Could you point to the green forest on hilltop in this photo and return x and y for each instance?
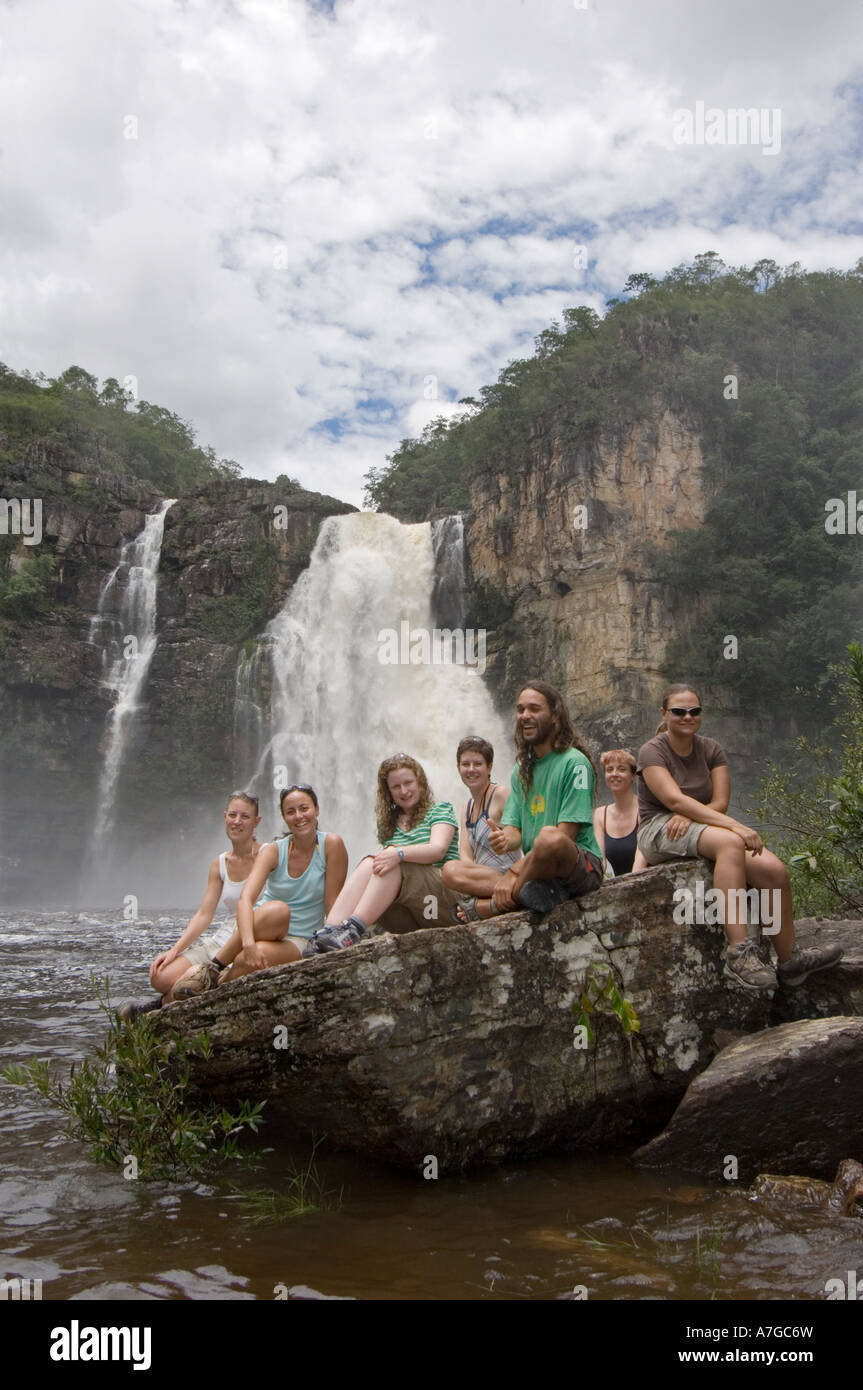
(762, 567)
(106, 427)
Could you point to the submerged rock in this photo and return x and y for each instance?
(838, 1198)
(787, 1099)
(446, 1047)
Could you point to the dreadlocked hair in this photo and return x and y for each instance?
(563, 735)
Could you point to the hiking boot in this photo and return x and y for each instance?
(336, 938)
(744, 965)
(133, 1008)
(202, 978)
(541, 895)
(805, 962)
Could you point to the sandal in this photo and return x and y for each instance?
(468, 908)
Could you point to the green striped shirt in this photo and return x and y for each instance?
(441, 813)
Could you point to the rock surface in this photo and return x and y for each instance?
(787, 1099)
(461, 1043)
(578, 603)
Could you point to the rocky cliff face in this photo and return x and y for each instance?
(231, 551)
(558, 554)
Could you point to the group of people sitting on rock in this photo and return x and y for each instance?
(535, 845)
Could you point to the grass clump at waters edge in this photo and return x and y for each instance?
(128, 1103)
(304, 1193)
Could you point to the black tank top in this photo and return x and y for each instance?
(620, 849)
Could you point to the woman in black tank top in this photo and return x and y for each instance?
(616, 825)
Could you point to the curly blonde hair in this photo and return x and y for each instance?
(386, 810)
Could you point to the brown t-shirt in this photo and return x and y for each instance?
(691, 774)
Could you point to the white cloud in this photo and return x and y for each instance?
(324, 208)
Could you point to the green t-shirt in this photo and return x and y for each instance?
(439, 814)
(561, 790)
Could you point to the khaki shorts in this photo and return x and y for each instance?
(657, 847)
(205, 947)
(423, 900)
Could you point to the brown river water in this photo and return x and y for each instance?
(531, 1230)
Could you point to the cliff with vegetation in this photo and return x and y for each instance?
(651, 484)
(232, 549)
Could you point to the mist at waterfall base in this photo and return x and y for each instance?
(316, 704)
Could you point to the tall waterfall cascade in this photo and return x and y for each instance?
(124, 626)
(449, 556)
(354, 680)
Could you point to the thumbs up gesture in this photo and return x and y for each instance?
(497, 837)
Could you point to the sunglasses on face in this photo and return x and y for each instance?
(682, 713)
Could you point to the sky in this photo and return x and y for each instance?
(310, 228)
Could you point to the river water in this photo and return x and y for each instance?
(529, 1231)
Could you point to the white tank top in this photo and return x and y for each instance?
(231, 891)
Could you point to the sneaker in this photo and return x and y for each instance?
(805, 962)
(135, 1007)
(744, 965)
(336, 938)
(541, 895)
(202, 978)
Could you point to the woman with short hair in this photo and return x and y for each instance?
(616, 825)
(478, 867)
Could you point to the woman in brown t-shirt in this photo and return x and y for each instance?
(684, 790)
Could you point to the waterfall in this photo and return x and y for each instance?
(336, 708)
(249, 717)
(448, 548)
(124, 626)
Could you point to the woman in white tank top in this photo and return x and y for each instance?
(225, 882)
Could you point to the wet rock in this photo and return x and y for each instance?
(485, 1061)
(302, 1293)
(786, 1101)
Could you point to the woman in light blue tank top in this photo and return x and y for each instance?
(294, 883)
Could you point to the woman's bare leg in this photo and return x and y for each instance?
(728, 853)
(766, 870)
(270, 922)
(276, 953)
(478, 880)
(366, 894)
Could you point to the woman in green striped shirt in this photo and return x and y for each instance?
(401, 886)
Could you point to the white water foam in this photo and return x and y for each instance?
(127, 608)
(336, 710)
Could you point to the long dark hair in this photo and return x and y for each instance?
(563, 735)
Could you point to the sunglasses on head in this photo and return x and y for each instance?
(681, 713)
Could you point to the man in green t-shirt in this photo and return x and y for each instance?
(549, 812)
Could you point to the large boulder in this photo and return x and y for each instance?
(786, 1100)
(462, 1043)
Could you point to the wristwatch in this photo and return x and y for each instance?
(401, 855)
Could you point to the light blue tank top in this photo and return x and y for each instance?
(304, 895)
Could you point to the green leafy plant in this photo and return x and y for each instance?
(304, 1192)
(130, 1101)
(600, 992)
(27, 593)
(818, 806)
